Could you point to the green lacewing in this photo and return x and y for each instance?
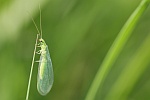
(45, 77)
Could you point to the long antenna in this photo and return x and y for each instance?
(35, 25)
(40, 20)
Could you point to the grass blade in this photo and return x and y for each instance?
(115, 49)
(132, 72)
(29, 82)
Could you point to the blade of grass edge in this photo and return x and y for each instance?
(115, 49)
(131, 73)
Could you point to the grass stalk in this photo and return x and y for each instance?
(115, 49)
(131, 73)
(29, 82)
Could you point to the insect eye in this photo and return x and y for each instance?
(40, 41)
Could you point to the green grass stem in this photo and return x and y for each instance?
(29, 82)
(115, 49)
(131, 73)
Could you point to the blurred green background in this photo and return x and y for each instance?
(79, 33)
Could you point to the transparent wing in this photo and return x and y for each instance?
(45, 76)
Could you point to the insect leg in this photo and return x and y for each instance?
(38, 61)
(38, 52)
(38, 44)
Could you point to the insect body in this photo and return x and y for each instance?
(45, 76)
